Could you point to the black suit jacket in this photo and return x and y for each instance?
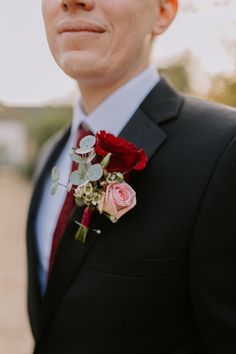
(162, 279)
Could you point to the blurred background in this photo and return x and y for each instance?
(197, 55)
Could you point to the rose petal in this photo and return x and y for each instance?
(109, 205)
(125, 210)
(119, 199)
(125, 155)
(122, 194)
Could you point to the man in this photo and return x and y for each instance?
(162, 279)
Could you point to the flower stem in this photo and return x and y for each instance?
(81, 233)
(84, 225)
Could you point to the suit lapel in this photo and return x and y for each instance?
(49, 157)
(160, 105)
(144, 133)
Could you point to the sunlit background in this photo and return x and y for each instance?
(197, 55)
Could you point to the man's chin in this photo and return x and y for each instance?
(79, 67)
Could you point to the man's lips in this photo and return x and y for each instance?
(79, 26)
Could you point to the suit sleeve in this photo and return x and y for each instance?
(212, 264)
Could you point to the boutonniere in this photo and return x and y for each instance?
(100, 181)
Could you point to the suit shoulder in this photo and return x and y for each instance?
(209, 113)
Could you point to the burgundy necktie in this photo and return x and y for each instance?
(67, 207)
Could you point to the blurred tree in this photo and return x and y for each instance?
(177, 72)
(40, 124)
(177, 75)
(223, 90)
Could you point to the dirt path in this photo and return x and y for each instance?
(15, 336)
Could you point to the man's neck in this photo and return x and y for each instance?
(92, 95)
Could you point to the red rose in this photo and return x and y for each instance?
(125, 155)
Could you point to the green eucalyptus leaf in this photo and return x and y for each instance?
(95, 172)
(55, 174)
(76, 158)
(84, 150)
(54, 188)
(77, 178)
(87, 142)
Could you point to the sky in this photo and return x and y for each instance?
(29, 75)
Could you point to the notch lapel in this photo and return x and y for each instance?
(144, 133)
(161, 105)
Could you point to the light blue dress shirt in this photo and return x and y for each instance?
(111, 115)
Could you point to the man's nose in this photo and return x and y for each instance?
(84, 4)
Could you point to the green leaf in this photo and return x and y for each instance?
(55, 174)
(84, 150)
(87, 142)
(95, 172)
(76, 158)
(77, 179)
(106, 160)
(54, 188)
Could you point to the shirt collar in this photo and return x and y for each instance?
(116, 110)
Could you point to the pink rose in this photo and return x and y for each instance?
(117, 200)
